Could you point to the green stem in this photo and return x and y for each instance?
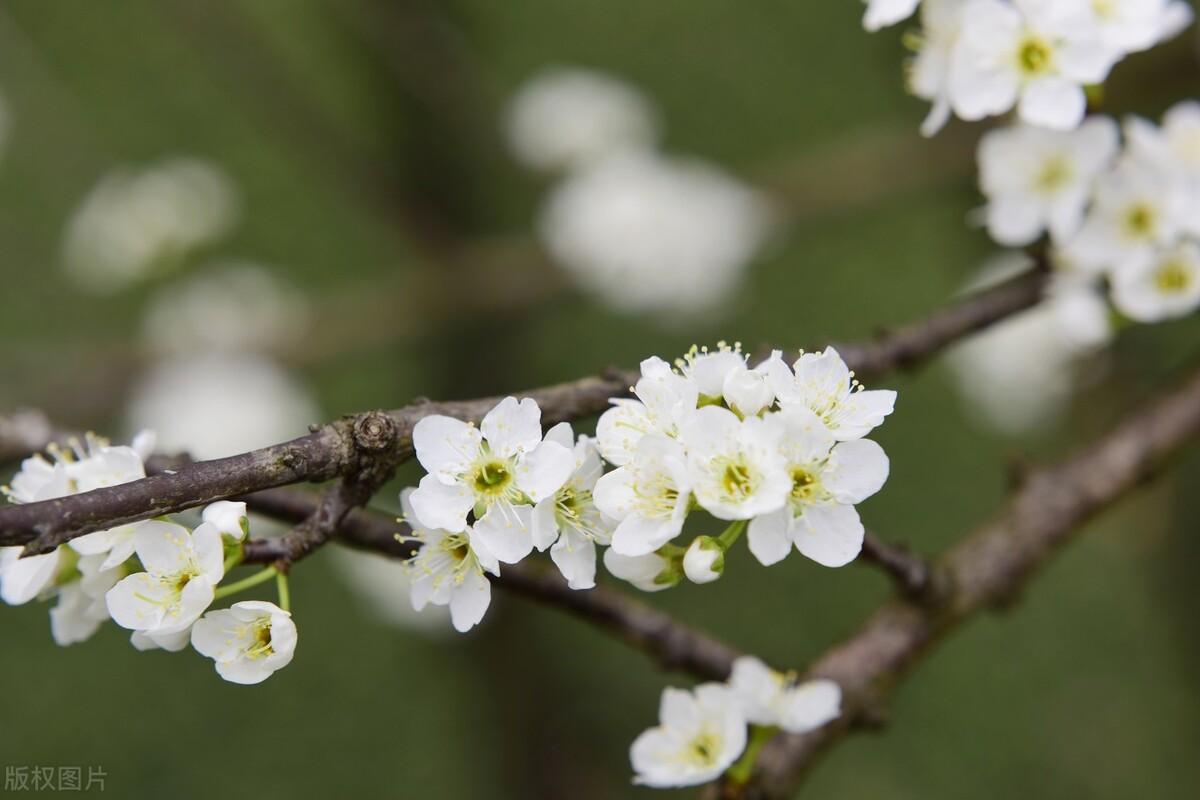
(245, 583)
(236, 553)
(285, 597)
(741, 771)
(731, 534)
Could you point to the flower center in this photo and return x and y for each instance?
(262, 640)
(737, 480)
(1056, 173)
(804, 485)
(1140, 221)
(703, 749)
(1034, 56)
(492, 477)
(1172, 278)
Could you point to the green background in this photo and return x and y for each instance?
(363, 137)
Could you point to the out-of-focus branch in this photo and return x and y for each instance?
(985, 570)
(333, 451)
(910, 573)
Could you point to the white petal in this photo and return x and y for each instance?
(445, 446)
(544, 469)
(831, 535)
(1054, 103)
(544, 525)
(768, 537)
(506, 532)
(513, 427)
(638, 536)
(810, 705)
(575, 557)
(163, 547)
(228, 517)
(441, 507)
(23, 579)
(855, 471)
(470, 601)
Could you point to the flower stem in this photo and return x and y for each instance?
(285, 597)
(245, 583)
(731, 534)
(759, 735)
(236, 553)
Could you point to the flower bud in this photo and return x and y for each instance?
(650, 573)
(704, 561)
(748, 392)
(229, 518)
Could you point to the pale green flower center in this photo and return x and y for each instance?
(492, 477)
(1141, 221)
(1034, 56)
(805, 486)
(1056, 173)
(704, 749)
(1172, 278)
(261, 634)
(737, 479)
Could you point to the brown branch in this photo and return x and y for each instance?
(986, 570)
(671, 643)
(331, 452)
(909, 572)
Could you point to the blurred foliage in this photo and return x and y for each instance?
(363, 135)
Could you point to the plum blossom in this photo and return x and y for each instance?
(448, 569)
(704, 560)
(650, 497)
(1130, 26)
(735, 467)
(499, 471)
(665, 399)
(770, 698)
(249, 641)
(229, 518)
(182, 571)
(700, 734)
(569, 519)
(650, 572)
(823, 384)
(1172, 150)
(827, 480)
(882, 13)
(929, 70)
(1164, 288)
(1037, 179)
(1034, 54)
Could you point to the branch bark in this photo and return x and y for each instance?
(331, 451)
(986, 570)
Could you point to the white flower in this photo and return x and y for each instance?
(736, 467)
(882, 13)
(650, 572)
(929, 72)
(1165, 288)
(665, 400)
(644, 233)
(1130, 26)
(1036, 54)
(1037, 179)
(827, 480)
(228, 518)
(215, 404)
(1137, 211)
(448, 570)
(81, 606)
(722, 375)
(249, 641)
(228, 307)
(769, 698)
(700, 735)
(499, 470)
(569, 519)
(182, 571)
(704, 560)
(136, 221)
(1173, 151)
(23, 579)
(825, 385)
(567, 117)
(649, 497)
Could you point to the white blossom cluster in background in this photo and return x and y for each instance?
(156, 578)
(1128, 214)
(775, 450)
(982, 58)
(640, 230)
(138, 222)
(702, 733)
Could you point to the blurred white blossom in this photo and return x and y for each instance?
(648, 233)
(566, 117)
(882, 13)
(220, 404)
(231, 306)
(137, 221)
(382, 586)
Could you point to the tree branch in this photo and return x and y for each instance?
(331, 451)
(985, 570)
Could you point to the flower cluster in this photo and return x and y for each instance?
(156, 578)
(1131, 215)
(774, 450)
(702, 733)
(980, 58)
